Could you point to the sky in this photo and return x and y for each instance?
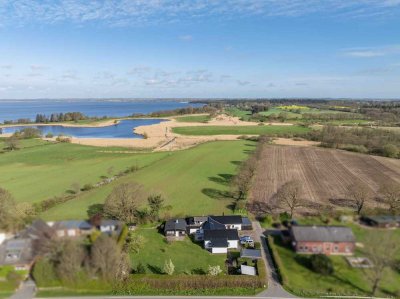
(199, 49)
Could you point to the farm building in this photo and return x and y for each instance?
(329, 240)
(382, 221)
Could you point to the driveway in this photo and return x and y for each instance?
(275, 289)
(27, 290)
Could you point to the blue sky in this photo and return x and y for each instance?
(199, 48)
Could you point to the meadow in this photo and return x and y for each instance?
(40, 169)
(240, 130)
(193, 181)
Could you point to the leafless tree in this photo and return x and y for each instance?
(70, 260)
(7, 210)
(390, 192)
(123, 202)
(381, 249)
(12, 143)
(359, 194)
(107, 259)
(289, 196)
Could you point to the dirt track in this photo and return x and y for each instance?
(326, 174)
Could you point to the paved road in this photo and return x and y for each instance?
(275, 289)
(161, 297)
(27, 290)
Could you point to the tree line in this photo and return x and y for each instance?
(364, 140)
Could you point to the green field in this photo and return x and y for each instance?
(345, 280)
(40, 170)
(194, 118)
(156, 251)
(240, 130)
(193, 181)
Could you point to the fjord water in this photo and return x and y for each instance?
(124, 129)
(16, 109)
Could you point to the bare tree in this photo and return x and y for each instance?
(390, 192)
(359, 194)
(12, 143)
(381, 249)
(107, 259)
(289, 196)
(70, 260)
(123, 202)
(7, 210)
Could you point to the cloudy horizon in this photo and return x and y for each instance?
(199, 49)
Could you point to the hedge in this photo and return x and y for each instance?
(277, 261)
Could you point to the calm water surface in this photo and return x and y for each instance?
(123, 129)
(13, 110)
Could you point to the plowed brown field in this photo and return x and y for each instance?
(326, 174)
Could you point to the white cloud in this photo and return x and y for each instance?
(372, 51)
(186, 38)
(140, 13)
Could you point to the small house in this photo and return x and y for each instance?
(72, 228)
(18, 253)
(109, 226)
(329, 240)
(220, 240)
(175, 227)
(195, 223)
(230, 222)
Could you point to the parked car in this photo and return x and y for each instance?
(246, 240)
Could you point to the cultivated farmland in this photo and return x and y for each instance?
(325, 174)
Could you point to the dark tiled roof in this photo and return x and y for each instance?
(175, 224)
(251, 253)
(37, 230)
(219, 242)
(227, 234)
(73, 224)
(212, 224)
(231, 219)
(16, 252)
(192, 220)
(322, 233)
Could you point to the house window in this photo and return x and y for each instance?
(71, 233)
(305, 248)
(336, 248)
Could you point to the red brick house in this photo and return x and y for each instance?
(335, 240)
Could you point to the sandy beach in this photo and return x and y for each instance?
(161, 138)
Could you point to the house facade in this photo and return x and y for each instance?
(328, 240)
(72, 228)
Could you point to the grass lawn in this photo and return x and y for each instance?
(185, 255)
(194, 118)
(240, 130)
(345, 280)
(40, 170)
(193, 181)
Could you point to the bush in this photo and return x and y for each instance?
(49, 135)
(87, 187)
(214, 270)
(321, 264)
(169, 267)
(277, 260)
(140, 269)
(44, 273)
(390, 150)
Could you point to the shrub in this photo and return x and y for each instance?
(87, 187)
(169, 267)
(214, 270)
(49, 135)
(390, 150)
(321, 264)
(140, 269)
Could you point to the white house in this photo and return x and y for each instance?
(220, 240)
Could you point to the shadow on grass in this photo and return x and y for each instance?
(237, 163)
(348, 282)
(155, 269)
(215, 193)
(223, 179)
